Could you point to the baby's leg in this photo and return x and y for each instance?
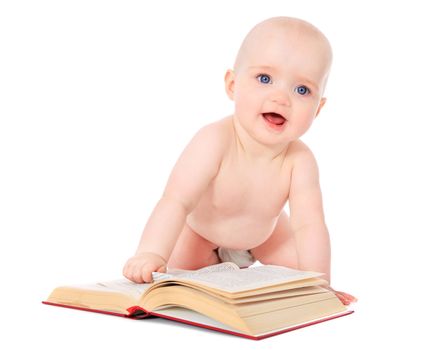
(192, 251)
(280, 247)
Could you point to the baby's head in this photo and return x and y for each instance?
(279, 78)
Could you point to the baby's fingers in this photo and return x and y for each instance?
(137, 276)
(149, 268)
(162, 269)
(147, 271)
(128, 271)
(133, 272)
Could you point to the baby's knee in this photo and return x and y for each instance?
(282, 254)
(192, 251)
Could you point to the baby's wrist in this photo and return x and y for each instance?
(152, 254)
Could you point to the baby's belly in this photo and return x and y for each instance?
(235, 232)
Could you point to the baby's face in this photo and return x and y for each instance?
(278, 83)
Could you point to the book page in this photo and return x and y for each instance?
(123, 286)
(238, 280)
(194, 318)
(171, 273)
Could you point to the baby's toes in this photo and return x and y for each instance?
(343, 298)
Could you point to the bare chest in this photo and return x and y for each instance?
(258, 192)
(240, 208)
(243, 201)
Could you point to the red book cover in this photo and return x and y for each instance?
(136, 312)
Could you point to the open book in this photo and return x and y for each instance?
(255, 302)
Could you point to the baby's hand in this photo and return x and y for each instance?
(345, 298)
(139, 268)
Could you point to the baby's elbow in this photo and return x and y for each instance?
(176, 201)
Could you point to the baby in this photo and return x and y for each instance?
(225, 196)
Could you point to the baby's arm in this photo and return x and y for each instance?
(194, 170)
(307, 218)
(306, 214)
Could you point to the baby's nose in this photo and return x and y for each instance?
(280, 97)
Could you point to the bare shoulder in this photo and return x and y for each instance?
(302, 158)
(215, 135)
(217, 130)
(197, 165)
(299, 151)
(209, 143)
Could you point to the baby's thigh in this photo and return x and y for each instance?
(192, 251)
(280, 247)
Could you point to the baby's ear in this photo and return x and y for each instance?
(321, 104)
(229, 83)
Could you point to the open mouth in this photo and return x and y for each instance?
(274, 119)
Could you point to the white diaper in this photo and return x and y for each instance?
(243, 258)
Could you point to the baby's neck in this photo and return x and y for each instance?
(255, 150)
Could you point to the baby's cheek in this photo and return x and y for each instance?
(304, 122)
(245, 105)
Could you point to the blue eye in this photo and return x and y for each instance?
(302, 90)
(264, 78)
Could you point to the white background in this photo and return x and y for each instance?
(98, 99)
